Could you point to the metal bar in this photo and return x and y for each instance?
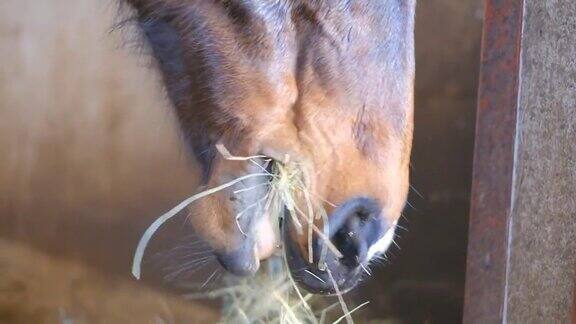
(493, 163)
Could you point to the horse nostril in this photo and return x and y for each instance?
(347, 242)
(356, 225)
(242, 262)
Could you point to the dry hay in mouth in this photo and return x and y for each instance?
(271, 295)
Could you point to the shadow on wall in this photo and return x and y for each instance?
(90, 154)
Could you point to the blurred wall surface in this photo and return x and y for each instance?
(89, 153)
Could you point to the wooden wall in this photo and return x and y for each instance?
(543, 219)
(89, 151)
(89, 154)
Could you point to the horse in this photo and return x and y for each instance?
(327, 83)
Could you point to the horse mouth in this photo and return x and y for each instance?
(326, 275)
(322, 261)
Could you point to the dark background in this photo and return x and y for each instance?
(424, 281)
(89, 156)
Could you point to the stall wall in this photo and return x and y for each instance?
(89, 150)
(540, 281)
(89, 154)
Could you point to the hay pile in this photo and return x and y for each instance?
(271, 295)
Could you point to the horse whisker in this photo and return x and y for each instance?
(209, 278)
(416, 191)
(409, 204)
(189, 269)
(365, 269)
(398, 246)
(191, 264)
(402, 227)
(314, 275)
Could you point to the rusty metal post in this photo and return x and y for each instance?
(522, 246)
(493, 162)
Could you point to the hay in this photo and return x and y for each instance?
(143, 243)
(271, 295)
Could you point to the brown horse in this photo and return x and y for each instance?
(327, 82)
